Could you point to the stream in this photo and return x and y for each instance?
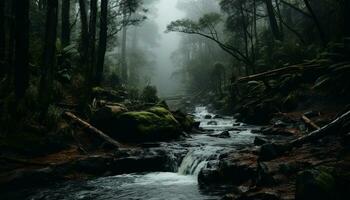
(189, 157)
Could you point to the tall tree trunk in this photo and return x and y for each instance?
(317, 23)
(65, 32)
(124, 68)
(2, 39)
(2, 34)
(10, 45)
(346, 8)
(92, 46)
(102, 44)
(83, 49)
(21, 47)
(273, 21)
(133, 68)
(49, 55)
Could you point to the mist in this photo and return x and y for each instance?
(164, 81)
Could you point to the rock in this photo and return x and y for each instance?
(213, 123)
(224, 134)
(207, 117)
(280, 131)
(346, 140)
(264, 176)
(235, 169)
(105, 117)
(270, 151)
(259, 196)
(27, 178)
(196, 125)
(109, 95)
(258, 141)
(155, 124)
(186, 121)
(209, 175)
(218, 117)
(312, 113)
(315, 184)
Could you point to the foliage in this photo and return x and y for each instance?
(149, 94)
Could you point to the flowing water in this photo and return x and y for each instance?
(181, 184)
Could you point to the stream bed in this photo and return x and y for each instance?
(189, 157)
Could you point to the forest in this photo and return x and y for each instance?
(175, 99)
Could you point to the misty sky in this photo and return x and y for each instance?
(168, 43)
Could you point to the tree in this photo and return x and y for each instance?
(21, 47)
(65, 32)
(91, 46)
(102, 44)
(205, 27)
(49, 55)
(124, 67)
(346, 13)
(317, 23)
(2, 33)
(273, 21)
(84, 33)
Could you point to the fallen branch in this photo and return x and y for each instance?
(278, 72)
(93, 129)
(310, 123)
(332, 127)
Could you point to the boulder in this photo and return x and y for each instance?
(315, 184)
(258, 141)
(224, 134)
(105, 117)
(270, 151)
(154, 124)
(186, 121)
(213, 123)
(207, 117)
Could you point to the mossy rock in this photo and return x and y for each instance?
(155, 124)
(105, 117)
(186, 121)
(316, 184)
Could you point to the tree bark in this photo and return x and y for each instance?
(94, 130)
(272, 19)
(21, 47)
(2, 35)
(346, 8)
(331, 128)
(91, 47)
(124, 67)
(102, 45)
(49, 55)
(84, 33)
(65, 32)
(317, 23)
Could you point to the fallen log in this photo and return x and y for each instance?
(94, 130)
(309, 123)
(273, 150)
(330, 128)
(278, 72)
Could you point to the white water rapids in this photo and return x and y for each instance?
(178, 185)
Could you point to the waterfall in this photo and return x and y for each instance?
(196, 159)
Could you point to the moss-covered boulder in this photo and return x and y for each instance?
(154, 124)
(316, 184)
(186, 121)
(105, 117)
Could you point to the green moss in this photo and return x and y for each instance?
(316, 184)
(146, 126)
